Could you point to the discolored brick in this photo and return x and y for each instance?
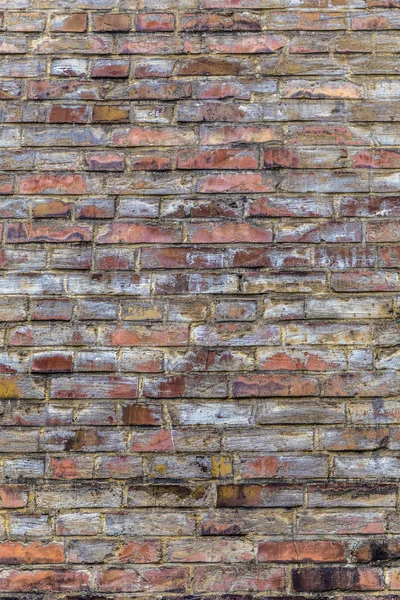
(199, 299)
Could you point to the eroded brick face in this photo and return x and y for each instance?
(199, 299)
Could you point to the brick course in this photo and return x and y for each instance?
(199, 299)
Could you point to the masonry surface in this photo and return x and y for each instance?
(199, 294)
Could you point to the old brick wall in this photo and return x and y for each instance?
(199, 284)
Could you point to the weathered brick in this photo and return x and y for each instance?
(67, 67)
(167, 495)
(89, 550)
(275, 360)
(143, 579)
(313, 551)
(196, 283)
(111, 22)
(13, 496)
(235, 522)
(273, 440)
(354, 439)
(154, 335)
(199, 295)
(110, 68)
(141, 551)
(270, 466)
(25, 21)
(110, 114)
(238, 579)
(77, 524)
(80, 467)
(139, 44)
(211, 413)
(229, 233)
(155, 22)
(290, 411)
(178, 440)
(325, 579)
(209, 551)
(233, 334)
(82, 440)
(284, 282)
(373, 467)
(154, 523)
(90, 44)
(200, 386)
(19, 233)
(248, 495)
(327, 495)
(249, 44)
(335, 522)
(270, 385)
(214, 65)
(228, 134)
(34, 552)
(52, 363)
(72, 22)
(31, 525)
(44, 580)
(83, 495)
(94, 387)
(135, 233)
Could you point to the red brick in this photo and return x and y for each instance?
(52, 209)
(54, 232)
(146, 551)
(111, 22)
(44, 580)
(271, 385)
(143, 579)
(301, 551)
(134, 233)
(80, 467)
(280, 157)
(68, 114)
(6, 185)
(211, 21)
(12, 553)
(110, 68)
(169, 335)
(370, 22)
(13, 496)
(377, 159)
(142, 414)
(52, 363)
(105, 162)
(37, 184)
(218, 159)
(150, 136)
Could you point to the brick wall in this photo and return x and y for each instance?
(199, 287)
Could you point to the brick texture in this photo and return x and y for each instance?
(199, 299)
